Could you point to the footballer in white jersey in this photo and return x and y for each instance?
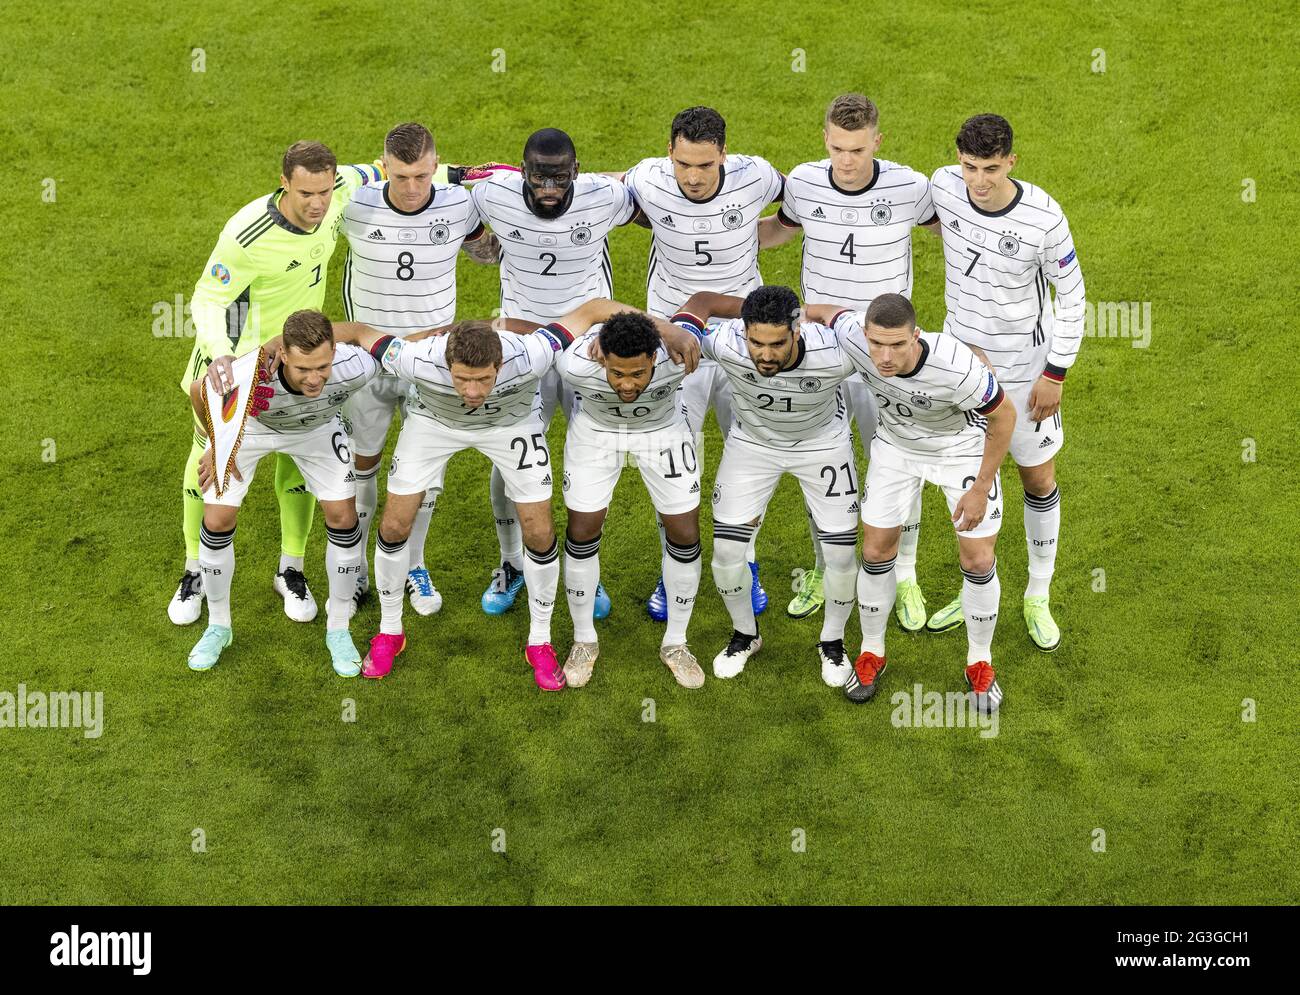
(789, 418)
(404, 237)
(554, 247)
(553, 225)
(628, 402)
(474, 388)
(943, 419)
(1006, 246)
(856, 213)
(296, 412)
(702, 207)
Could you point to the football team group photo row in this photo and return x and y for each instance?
(788, 373)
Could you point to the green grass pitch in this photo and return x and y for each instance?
(1176, 166)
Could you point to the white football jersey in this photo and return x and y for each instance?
(938, 412)
(799, 408)
(598, 404)
(525, 359)
(857, 244)
(550, 266)
(292, 411)
(703, 245)
(400, 275)
(998, 266)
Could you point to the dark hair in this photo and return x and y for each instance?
(409, 142)
(852, 112)
(628, 334)
(549, 141)
(699, 124)
(307, 330)
(891, 311)
(985, 136)
(771, 305)
(311, 156)
(475, 344)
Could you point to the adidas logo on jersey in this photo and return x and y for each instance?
(997, 513)
(695, 488)
(515, 234)
(1047, 441)
(855, 508)
(546, 481)
(376, 236)
(953, 225)
(667, 219)
(819, 213)
(351, 478)
(293, 265)
(751, 378)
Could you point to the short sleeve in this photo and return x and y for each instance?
(774, 180)
(624, 207)
(850, 334)
(475, 225)
(925, 212)
(788, 214)
(401, 358)
(979, 389)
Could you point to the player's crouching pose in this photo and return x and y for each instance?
(475, 389)
(942, 419)
(788, 418)
(629, 401)
(301, 420)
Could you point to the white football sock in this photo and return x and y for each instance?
(1042, 528)
(420, 529)
(819, 555)
(681, 566)
(290, 561)
(980, 594)
(390, 580)
(342, 566)
(839, 583)
(905, 567)
(581, 575)
(367, 502)
(217, 562)
(732, 577)
(542, 577)
(509, 536)
(877, 586)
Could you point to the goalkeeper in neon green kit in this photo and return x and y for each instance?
(270, 261)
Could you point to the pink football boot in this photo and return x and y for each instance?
(546, 666)
(383, 651)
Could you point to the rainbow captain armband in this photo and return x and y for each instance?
(691, 323)
(557, 335)
(386, 348)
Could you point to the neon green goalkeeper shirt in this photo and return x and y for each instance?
(263, 269)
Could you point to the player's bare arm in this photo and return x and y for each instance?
(821, 314)
(706, 304)
(972, 506)
(486, 249)
(772, 231)
(683, 348)
(1044, 397)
